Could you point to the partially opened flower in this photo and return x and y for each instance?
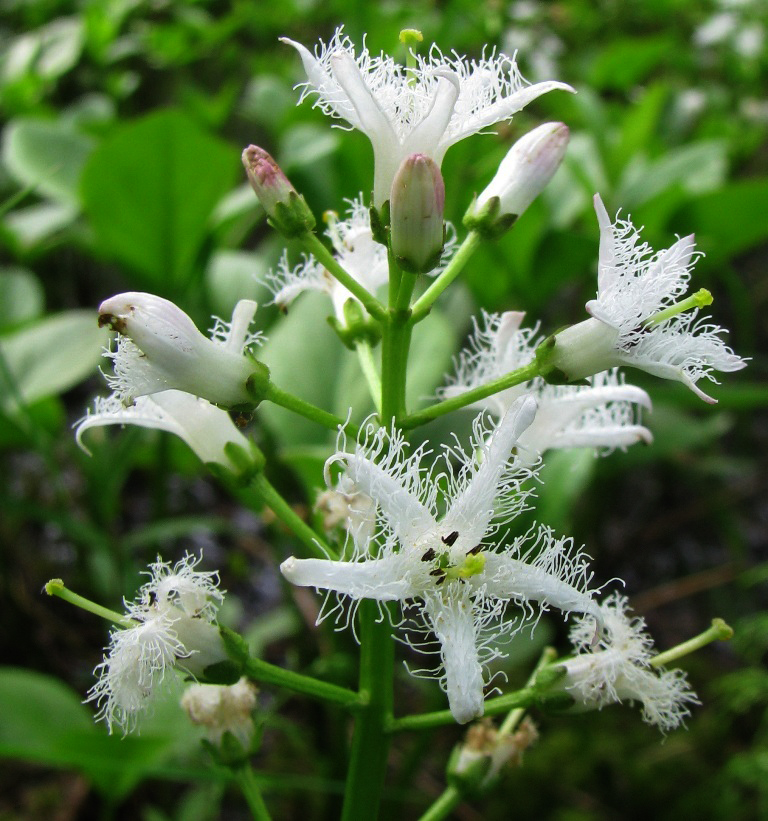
(423, 109)
(356, 251)
(208, 430)
(620, 670)
(160, 348)
(599, 415)
(639, 318)
(174, 615)
(449, 572)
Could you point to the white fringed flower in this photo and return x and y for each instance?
(419, 110)
(222, 709)
(639, 319)
(446, 570)
(207, 430)
(174, 615)
(355, 250)
(600, 415)
(620, 669)
(159, 348)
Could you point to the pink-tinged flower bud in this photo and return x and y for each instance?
(529, 165)
(417, 203)
(285, 207)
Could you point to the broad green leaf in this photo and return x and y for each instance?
(564, 475)
(231, 276)
(48, 156)
(150, 190)
(44, 722)
(33, 225)
(304, 357)
(21, 297)
(628, 60)
(730, 220)
(49, 357)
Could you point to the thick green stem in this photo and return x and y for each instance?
(317, 546)
(329, 262)
(423, 304)
(370, 742)
(270, 674)
(493, 706)
(509, 380)
(448, 801)
(245, 779)
(306, 409)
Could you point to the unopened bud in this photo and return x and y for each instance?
(529, 165)
(285, 207)
(417, 204)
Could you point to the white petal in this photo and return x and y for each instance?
(472, 509)
(379, 579)
(426, 136)
(617, 436)
(454, 625)
(501, 110)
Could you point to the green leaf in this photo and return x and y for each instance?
(48, 156)
(150, 190)
(21, 297)
(628, 60)
(728, 221)
(49, 357)
(564, 476)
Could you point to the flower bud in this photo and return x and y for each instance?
(522, 175)
(287, 210)
(222, 709)
(165, 350)
(417, 204)
(578, 351)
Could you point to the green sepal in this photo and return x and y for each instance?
(292, 218)
(488, 222)
(246, 463)
(555, 702)
(235, 645)
(222, 672)
(472, 780)
(380, 223)
(231, 754)
(549, 676)
(406, 265)
(257, 383)
(358, 326)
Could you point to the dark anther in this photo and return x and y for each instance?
(437, 572)
(440, 581)
(475, 550)
(450, 538)
(429, 555)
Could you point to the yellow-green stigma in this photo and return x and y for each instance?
(700, 299)
(473, 565)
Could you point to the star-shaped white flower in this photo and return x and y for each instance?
(447, 571)
(355, 250)
(639, 319)
(620, 670)
(599, 415)
(420, 110)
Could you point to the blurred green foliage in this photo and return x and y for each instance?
(124, 120)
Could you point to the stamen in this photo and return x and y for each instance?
(429, 555)
(450, 539)
(698, 300)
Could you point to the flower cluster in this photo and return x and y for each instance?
(172, 627)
